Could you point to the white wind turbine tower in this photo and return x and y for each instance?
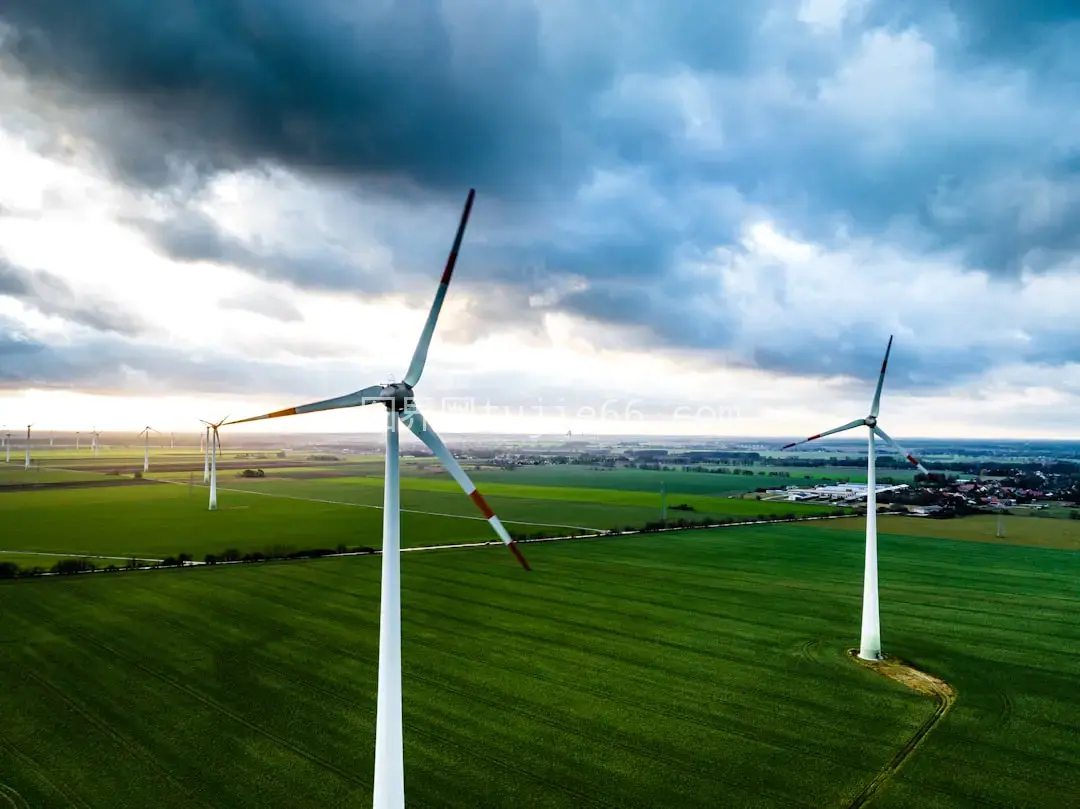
(206, 454)
(78, 437)
(212, 447)
(27, 464)
(146, 451)
(389, 792)
(7, 447)
(95, 441)
(870, 643)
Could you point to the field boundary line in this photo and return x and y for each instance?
(378, 551)
(82, 556)
(923, 682)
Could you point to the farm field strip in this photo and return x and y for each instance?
(403, 510)
(80, 556)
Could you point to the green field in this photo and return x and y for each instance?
(698, 669)
(292, 513)
(1029, 531)
(11, 475)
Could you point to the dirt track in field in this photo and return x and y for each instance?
(927, 684)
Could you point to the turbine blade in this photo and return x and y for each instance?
(911, 458)
(848, 426)
(416, 367)
(876, 405)
(422, 430)
(357, 399)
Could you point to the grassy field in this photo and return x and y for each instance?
(12, 475)
(163, 520)
(700, 669)
(1029, 531)
(308, 507)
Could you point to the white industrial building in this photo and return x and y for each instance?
(838, 491)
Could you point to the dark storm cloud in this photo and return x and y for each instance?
(419, 100)
(987, 28)
(51, 295)
(191, 236)
(392, 90)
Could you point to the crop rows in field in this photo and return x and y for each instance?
(698, 669)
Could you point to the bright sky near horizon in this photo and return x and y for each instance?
(690, 219)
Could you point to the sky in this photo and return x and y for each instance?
(691, 217)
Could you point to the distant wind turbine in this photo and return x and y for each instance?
(870, 643)
(78, 435)
(206, 454)
(7, 446)
(96, 441)
(213, 446)
(398, 398)
(146, 452)
(27, 465)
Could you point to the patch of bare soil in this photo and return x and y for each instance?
(903, 672)
(925, 683)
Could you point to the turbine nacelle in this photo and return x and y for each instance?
(870, 421)
(397, 396)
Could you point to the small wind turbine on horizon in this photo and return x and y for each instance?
(78, 437)
(146, 451)
(7, 446)
(27, 464)
(212, 447)
(95, 443)
(870, 642)
(400, 403)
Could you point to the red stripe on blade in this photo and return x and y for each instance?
(481, 504)
(912, 459)
(788, 446)
(452, 259)
(813, 437)
(290, 412)
(517, 552)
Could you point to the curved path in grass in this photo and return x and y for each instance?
(12, 798)
(906, 674)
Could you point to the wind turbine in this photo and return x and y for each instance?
(77, 439)
(870, 642)
(146, 452)
(95, 444)
(206, 455)
(27, 465)
(7, 447)
(212, 447)
(398, 398)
